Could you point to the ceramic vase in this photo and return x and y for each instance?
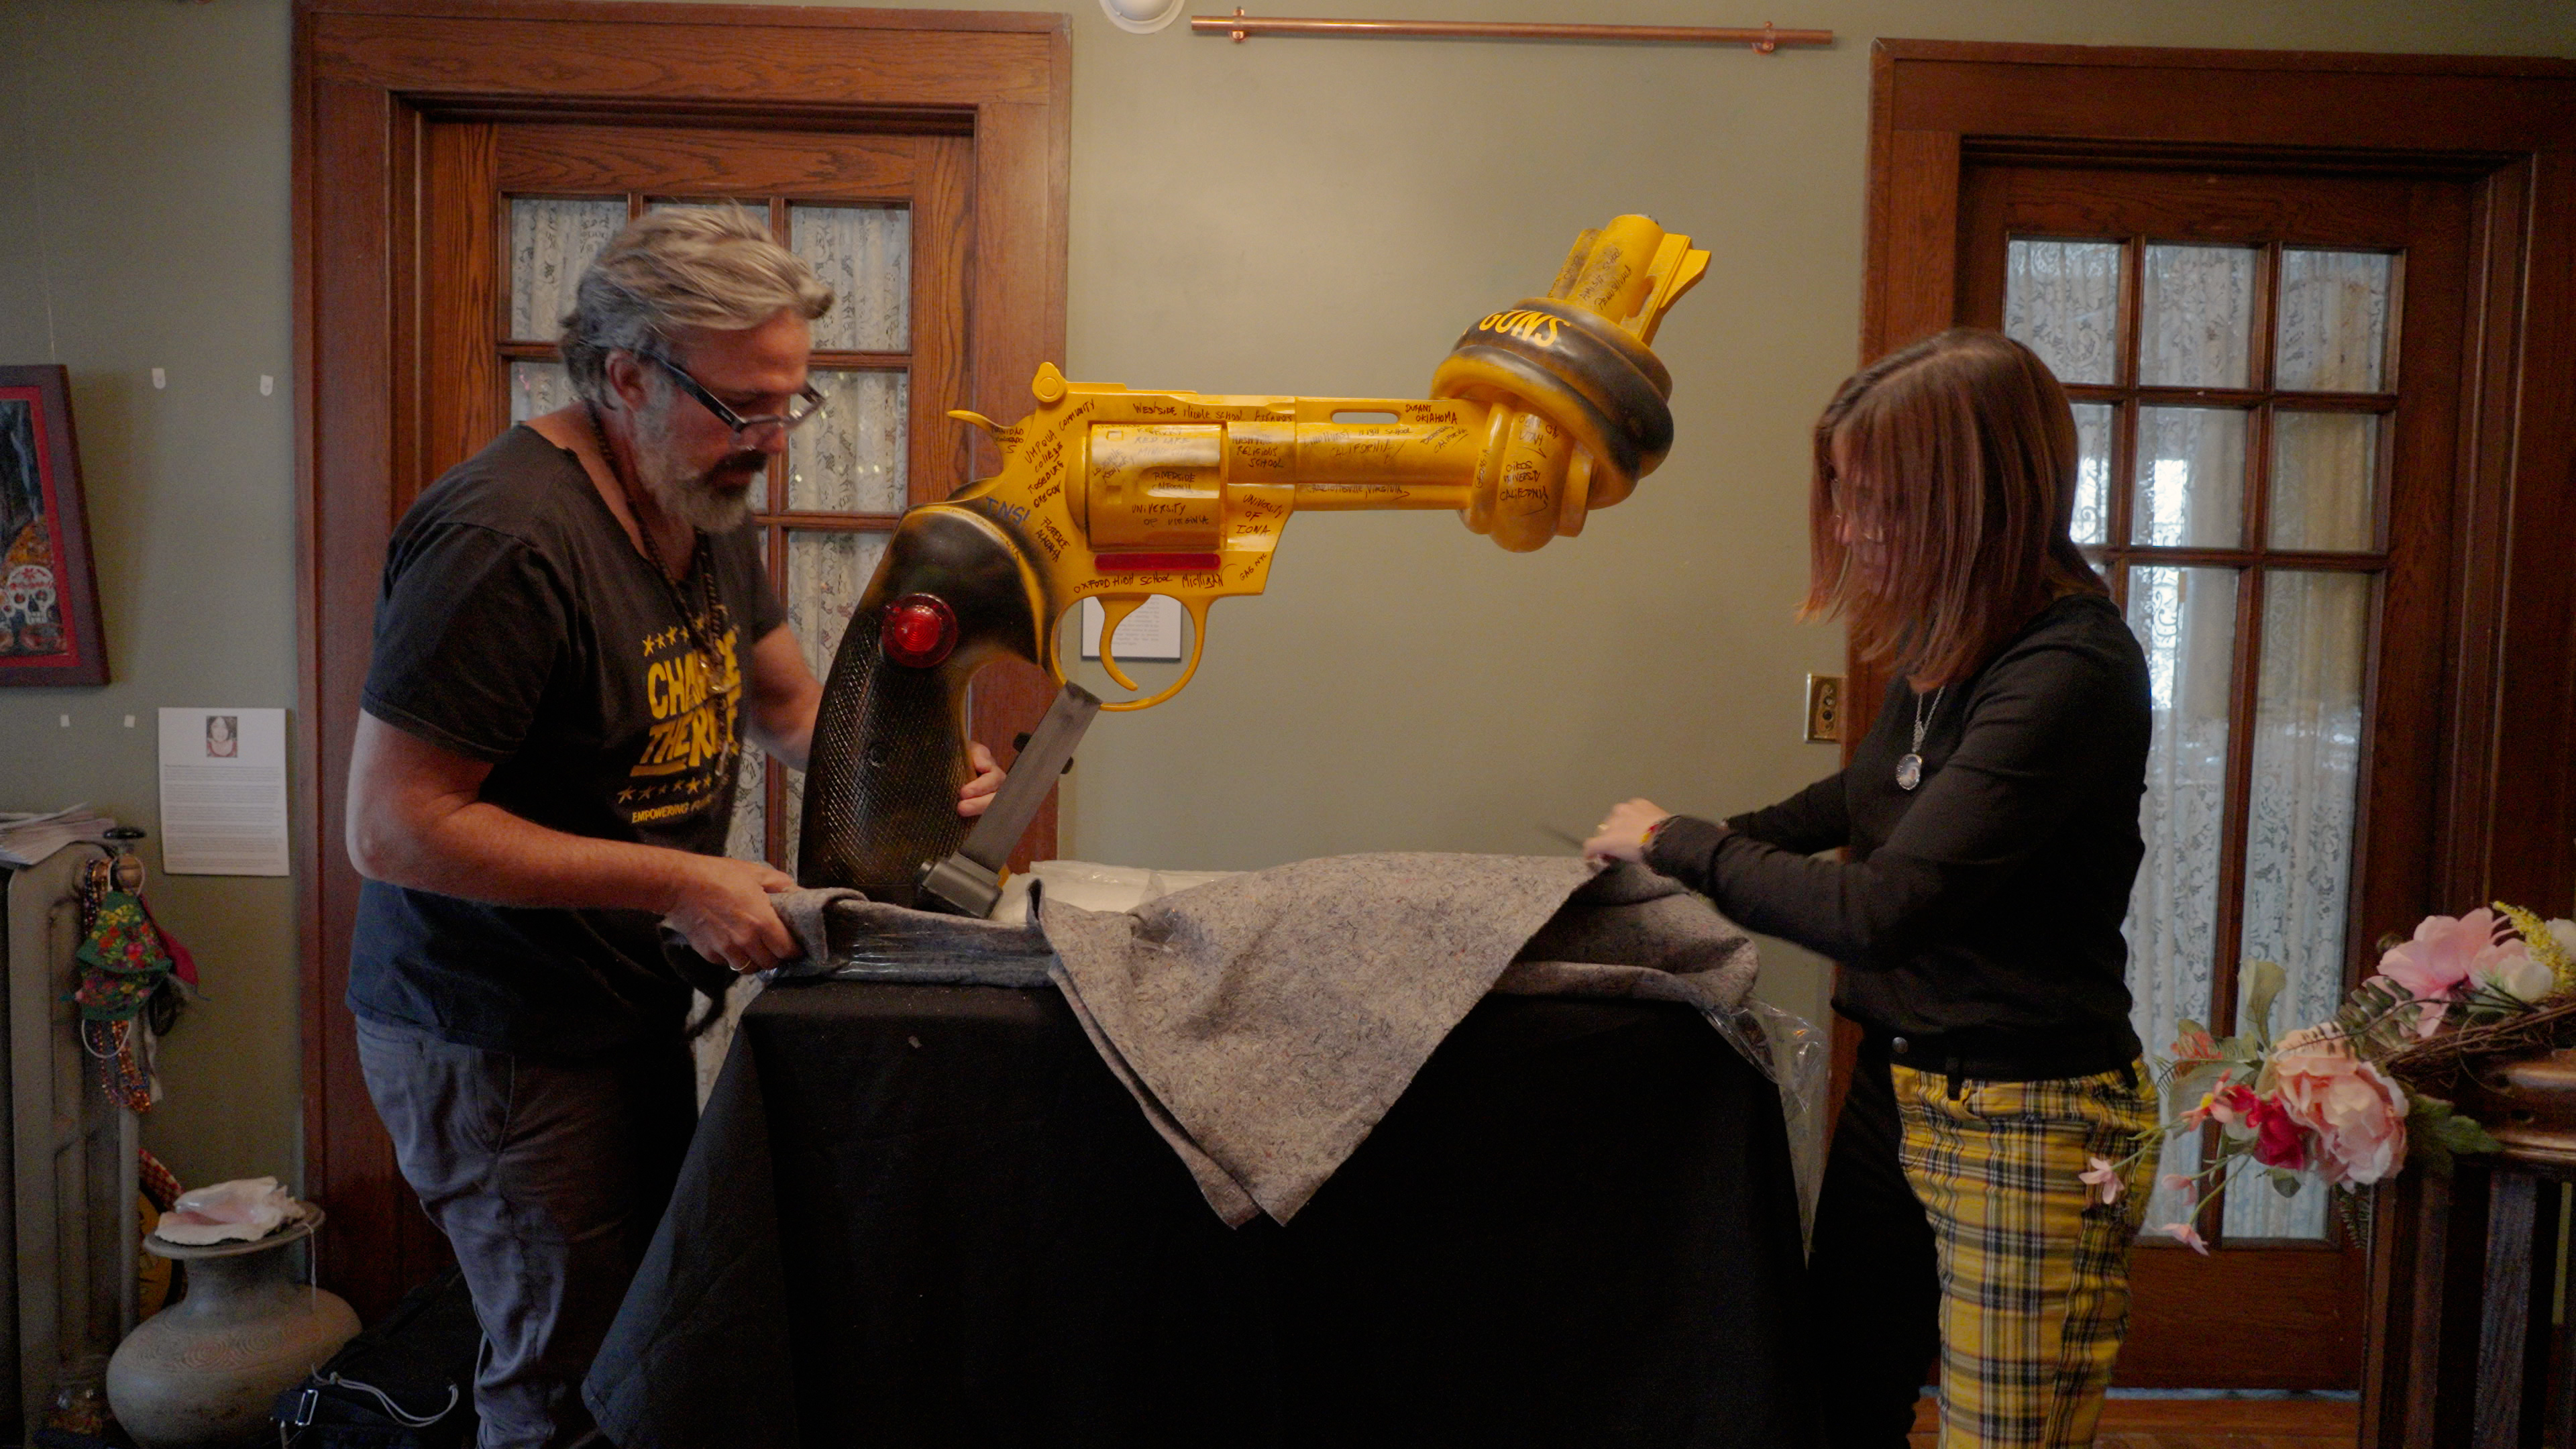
(204, 1372)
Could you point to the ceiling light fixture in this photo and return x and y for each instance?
(1144, 17)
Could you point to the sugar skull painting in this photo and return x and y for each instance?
(49, 630)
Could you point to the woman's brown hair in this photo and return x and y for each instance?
(1953, 464)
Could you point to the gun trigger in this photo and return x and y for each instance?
(1114, 612)
(991, 428)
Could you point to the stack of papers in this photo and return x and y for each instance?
(26, 839)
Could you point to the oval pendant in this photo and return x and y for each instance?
(1909, 772)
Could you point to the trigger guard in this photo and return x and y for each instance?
(1109, 624)
(1198, 651)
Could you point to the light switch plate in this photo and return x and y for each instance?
(1824, 708)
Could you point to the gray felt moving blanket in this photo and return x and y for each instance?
(1267, 1021)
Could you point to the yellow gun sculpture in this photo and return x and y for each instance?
(1542, 412)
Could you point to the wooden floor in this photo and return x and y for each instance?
(2207, 1424)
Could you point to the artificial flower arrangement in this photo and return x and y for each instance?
(2348, 1101)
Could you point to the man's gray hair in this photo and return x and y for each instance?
(695, 267)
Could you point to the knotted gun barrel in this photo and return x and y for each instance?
(1543, 412)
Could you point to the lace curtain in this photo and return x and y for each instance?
(2308, 716)
(2185, 618)
(552, 240)
(2191, 483)
(2062, 300)
(2299, 827)
(864, 254)
(851, 459)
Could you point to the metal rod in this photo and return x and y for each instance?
(1764, 39)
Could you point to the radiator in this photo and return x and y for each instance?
(69, 1287)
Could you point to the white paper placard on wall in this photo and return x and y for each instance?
(223, 791)
(1153, 632)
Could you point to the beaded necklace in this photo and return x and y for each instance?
(705, 621)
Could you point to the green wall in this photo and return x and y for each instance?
(143, 224)
(1282, 216)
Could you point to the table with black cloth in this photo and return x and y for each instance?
(929, 1215)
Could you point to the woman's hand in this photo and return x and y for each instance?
(1621, 835)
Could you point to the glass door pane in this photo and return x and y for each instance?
(851, 459)
(864, 254)
(2185, 619)
(2062, 301)
(2092, 522)
(2306, 739)
(2190, 478)
(2334, 320)
(2196, 316)
(538, 388)
(747, 838)
(2325, 481)
(552, 241)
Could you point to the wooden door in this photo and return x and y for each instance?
(2445, 742)
(420, 125)
(522, 208)
(2265, 371)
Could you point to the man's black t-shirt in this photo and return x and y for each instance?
(518, 625)
(1984, 905)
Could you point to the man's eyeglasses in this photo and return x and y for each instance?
(750, 432)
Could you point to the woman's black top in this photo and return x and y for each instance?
(1982, 909)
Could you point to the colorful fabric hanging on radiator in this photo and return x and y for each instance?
(124, 959)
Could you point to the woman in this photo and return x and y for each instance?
(1990, 823)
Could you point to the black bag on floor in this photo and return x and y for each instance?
(406, 1383)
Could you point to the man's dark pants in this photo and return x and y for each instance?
(1875, 1274)
(548, 1179)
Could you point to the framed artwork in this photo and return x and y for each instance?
(49, 630)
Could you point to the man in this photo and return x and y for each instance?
(573, 638)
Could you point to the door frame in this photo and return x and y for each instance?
(369, 78)
(2502, 818)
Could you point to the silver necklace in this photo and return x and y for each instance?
(1909, 770)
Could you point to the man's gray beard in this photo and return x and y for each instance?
(691, 497)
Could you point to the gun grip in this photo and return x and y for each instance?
(889, 751)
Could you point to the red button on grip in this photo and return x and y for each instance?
(919, 631)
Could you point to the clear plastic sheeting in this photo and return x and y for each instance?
(1798, 1057)
(1094, 887)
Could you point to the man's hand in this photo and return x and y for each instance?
(977, 797)
(1621, 835)
(723, 908)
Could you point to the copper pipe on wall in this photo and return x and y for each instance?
(1764, 40)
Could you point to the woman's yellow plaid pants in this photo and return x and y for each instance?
(2034, 1266)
